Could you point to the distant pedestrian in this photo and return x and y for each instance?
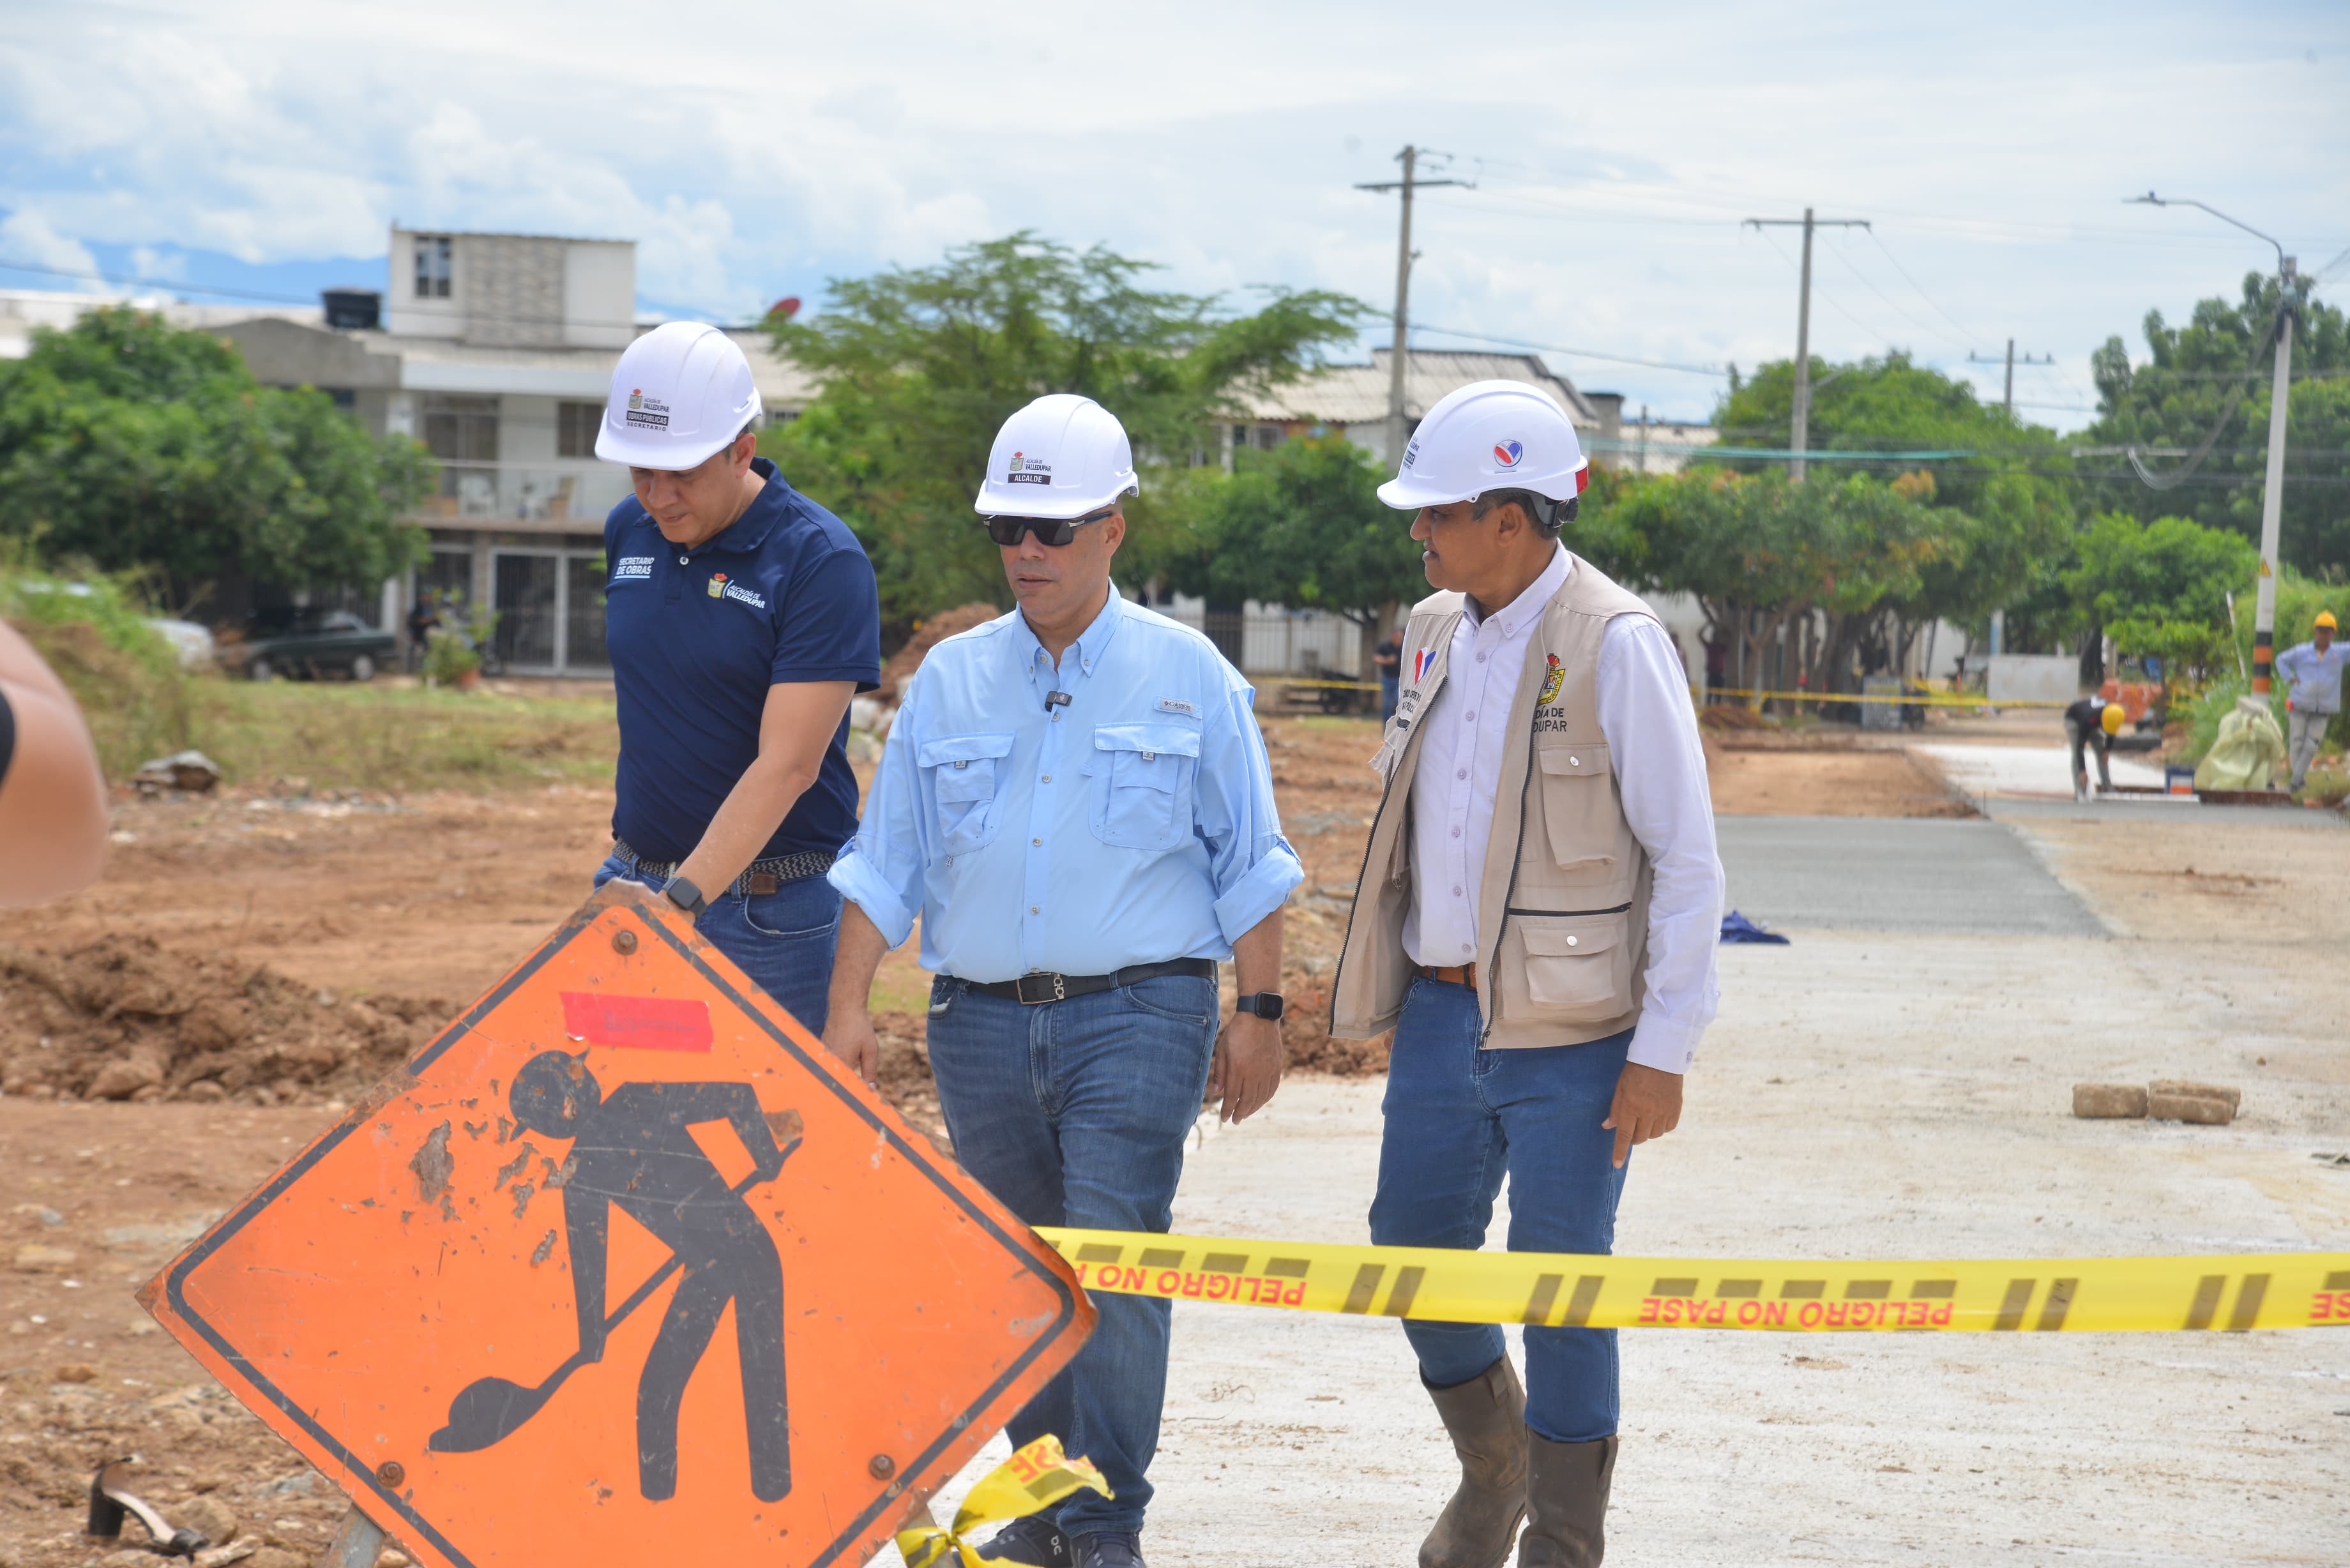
(2312, 671)
(740, 617)
(2090, 725)
(1387, 659)
(1537, 922)
(1076, 802)
(423, 619)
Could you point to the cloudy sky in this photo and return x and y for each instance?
(753, 150)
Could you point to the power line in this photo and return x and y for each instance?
(1400, 353)
(1913, 283)
(1573, 353)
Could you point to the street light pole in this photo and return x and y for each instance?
(2272, 488)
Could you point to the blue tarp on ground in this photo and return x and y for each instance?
(1737, 928)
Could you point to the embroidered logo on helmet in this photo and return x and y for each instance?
(1507, 454)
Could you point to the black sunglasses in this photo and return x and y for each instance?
(1054, 532)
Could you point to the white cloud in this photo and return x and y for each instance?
(751, 152)
(26, 238)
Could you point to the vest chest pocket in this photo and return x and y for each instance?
(1142, 784)
(961, 770)
(1579, 810)
(1571, 969)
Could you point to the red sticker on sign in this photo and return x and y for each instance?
(642, 1022)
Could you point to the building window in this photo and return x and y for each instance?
(575, 425)
(432, 257)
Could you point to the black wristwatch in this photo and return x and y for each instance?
(685, 896)
(1263, 1004)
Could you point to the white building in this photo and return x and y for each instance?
(496, 351)
(23, 311)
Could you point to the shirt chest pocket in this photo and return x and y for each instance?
(960, 771)
(1142, 776)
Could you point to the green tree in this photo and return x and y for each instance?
(2161, 587)
(1303, 524)
(1824, 567)
(2215, 372)
(132, 443)
(2011, 498)
(921, 366)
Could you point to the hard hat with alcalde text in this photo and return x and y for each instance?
(1488, 435)
(1061, 456)
(679, 392)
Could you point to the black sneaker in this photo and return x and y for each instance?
(1035, 1541)
(1108, 1548)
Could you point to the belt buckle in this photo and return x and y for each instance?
(1060, 990)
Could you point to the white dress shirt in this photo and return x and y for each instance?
(1660, 769)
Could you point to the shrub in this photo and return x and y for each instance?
(91, 627)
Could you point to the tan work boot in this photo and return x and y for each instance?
(1566, 1503)
(1487, 1419)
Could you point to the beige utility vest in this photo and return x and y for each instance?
(1563, 914)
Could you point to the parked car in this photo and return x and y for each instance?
(311, 641)
(191, 644)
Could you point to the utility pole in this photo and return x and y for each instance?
(1409, 158)
(2008, 399)
(1799, 422)
(2272, 489)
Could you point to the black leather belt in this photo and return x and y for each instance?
(1032, 989)
(759, 876)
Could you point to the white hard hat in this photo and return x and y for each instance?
(1488, 435)
(679, 392)
(1061, 456)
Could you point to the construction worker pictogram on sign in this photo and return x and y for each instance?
(621, 1269)
(633, 1150)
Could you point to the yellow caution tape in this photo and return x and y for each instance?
(1035, 1477)
(1918, 699)
(1559, 1289)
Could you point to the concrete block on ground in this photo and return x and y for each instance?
(2234, 1096)
(2106, 1100)
(2207, 1109)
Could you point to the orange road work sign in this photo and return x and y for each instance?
(623, 1269)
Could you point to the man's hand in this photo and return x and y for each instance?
(1247, 1066)
(848, 1034)
(1648, 1105)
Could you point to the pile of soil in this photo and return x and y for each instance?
(928, 635)
(1306, 1037)
(906, 1081)
(1732, 716)
(126, 1019)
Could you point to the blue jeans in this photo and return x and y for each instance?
(1458, 1119)
(783, 940)
(1391, 689)
(1074, 1113)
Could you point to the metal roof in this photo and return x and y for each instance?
(1357, 394)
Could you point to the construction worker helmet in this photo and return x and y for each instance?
(2113, 718)
(2325, 619)
(1488, 435)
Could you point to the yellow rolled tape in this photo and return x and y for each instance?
(2233, 1291)
(1035, 1477)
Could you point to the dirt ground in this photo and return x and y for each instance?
(250, 960)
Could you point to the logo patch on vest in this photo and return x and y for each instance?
(1422, 663)
(1551, 682)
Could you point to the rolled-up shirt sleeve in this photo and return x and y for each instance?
(881, 870)
(1249, 862)
(1660, 762)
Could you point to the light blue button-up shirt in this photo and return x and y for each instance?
(2316, 678)
(1133, 825)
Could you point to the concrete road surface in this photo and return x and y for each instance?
(1896, 1084)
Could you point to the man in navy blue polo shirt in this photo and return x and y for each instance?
(741, 616)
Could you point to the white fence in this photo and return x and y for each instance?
(1273, 641)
